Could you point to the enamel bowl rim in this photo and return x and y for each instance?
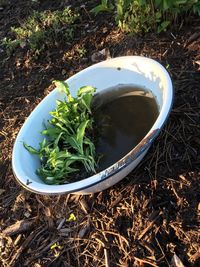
(41, 188)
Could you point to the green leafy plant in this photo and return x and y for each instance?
(148, 15)
(68, 145)
(10, 44)
(133, 16)
(81, 51)
(44, 29)
(105, 6)
(157, 15)
(3, 3)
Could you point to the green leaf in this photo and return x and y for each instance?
(163, 26)
(67, 146)
(103, 7)
(81, 132)
(119, 10)
(181, 2)
(158, 15)
(86, 101)
(72, 140)
(69, 162)
(63, 155)
(62, 87)
(43, 144)
(166, 5)
(158, 3)
(88, 142)
(141, 2)
(55, 245)
(86, 89)
(51, 132)
(72, 217)
(31, 149)
(57, 139)
(97, 9)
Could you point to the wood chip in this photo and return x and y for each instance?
(176, 262)
(2, 191)
(195, 256)
(61, 223)
(19, 227)
(84, 205)
(84, 230)
(24, 245)
(148, 227)
(193, 38)
(106, 255)
(144, 261)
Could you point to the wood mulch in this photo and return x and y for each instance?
(151, 218)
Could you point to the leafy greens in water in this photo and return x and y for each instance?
(68, 145)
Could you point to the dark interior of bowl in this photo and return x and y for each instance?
(122, 116)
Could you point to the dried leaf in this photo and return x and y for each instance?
(2, 191)
(176, 262)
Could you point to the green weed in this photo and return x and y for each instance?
(81, 51)
(3, 2)
(10, 44)
(105, 6)
(43, 30)
(68, 144)
(148, 15)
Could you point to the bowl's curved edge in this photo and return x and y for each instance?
(126, 160)
(117, 167)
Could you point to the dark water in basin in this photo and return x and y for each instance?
(123, 117)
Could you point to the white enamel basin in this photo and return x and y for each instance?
(139, 71)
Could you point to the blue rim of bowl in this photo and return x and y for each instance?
(124, 162)
(117, 167)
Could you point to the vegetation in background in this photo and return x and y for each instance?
(105, 6)
(3, 2)
(68, 145)
(42, 30)
(148, 15)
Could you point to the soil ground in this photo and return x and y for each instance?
(150, 217)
